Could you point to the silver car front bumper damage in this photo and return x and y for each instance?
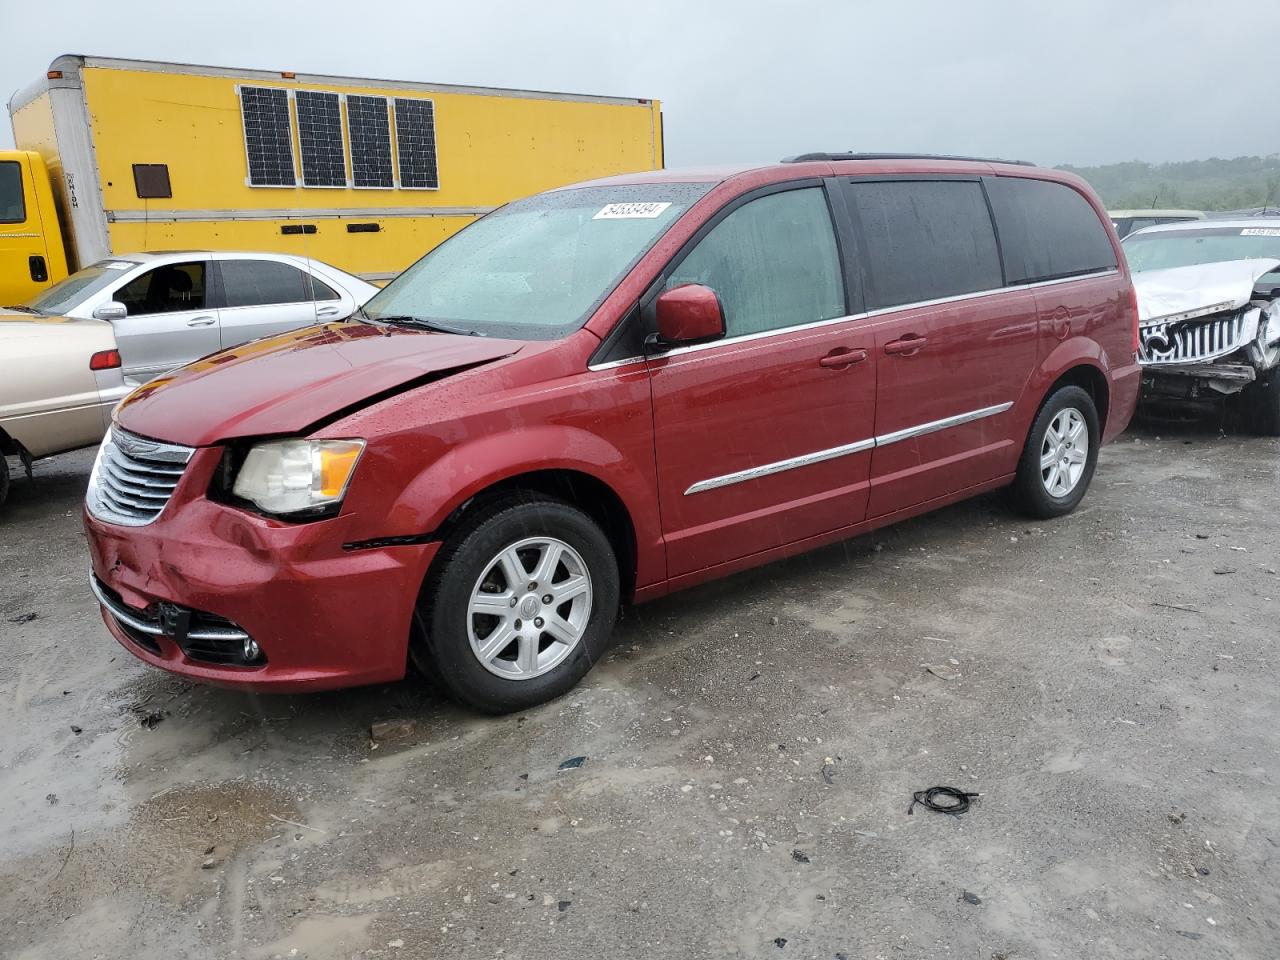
(1202, 333)
(1226, 370)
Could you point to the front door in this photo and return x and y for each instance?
(169, 320)
(955, 350)
(764, 438)
(261, 298)
(24, 261)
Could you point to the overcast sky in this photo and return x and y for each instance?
(1076, 81)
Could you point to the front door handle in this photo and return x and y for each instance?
(907, 344)
(842, 357)
(201, 322)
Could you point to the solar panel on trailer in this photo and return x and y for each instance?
(268, 140)
(320, 139)
(416, 143)
(369, 130)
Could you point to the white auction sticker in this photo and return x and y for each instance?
(119, 265)
(631, 211)
(1260, 232)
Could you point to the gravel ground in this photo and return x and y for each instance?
(751, 749)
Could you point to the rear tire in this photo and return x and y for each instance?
(1262, 405)
(531, 569)
(1060, 455)
(4, 479)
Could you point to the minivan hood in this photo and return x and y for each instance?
(285, 384)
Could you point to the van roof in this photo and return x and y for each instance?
(833, 164)
(849, 155)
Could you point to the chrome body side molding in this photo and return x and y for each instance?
(764, 470)
(859, 446)
(944, 424)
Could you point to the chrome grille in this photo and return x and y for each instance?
(133, 478)
(1193, 341)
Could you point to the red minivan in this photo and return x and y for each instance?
(604, 393)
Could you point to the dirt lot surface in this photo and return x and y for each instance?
(1108, 683)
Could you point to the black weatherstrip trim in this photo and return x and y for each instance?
(847, 241)
(866, 283)
(995, 225)
(376, 542)
(622, 342)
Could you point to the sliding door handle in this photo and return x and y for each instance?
(908, 344)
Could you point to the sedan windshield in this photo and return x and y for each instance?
(68, 294)
(537, 268)
(1182, 248)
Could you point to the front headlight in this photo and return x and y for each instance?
(297, 476)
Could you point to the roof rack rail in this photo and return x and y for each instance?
(808, 157)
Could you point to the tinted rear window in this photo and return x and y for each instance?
(924, 240)
(250, 283)
(1047, 230)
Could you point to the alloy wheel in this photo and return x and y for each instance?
(529, 609)
(1064, 452)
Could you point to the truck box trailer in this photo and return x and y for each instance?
(116, 156)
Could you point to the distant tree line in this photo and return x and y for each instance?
(1212, 184)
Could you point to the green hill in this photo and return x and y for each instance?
(1194, 184)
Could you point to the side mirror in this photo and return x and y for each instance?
(689, 314)
(111, 310)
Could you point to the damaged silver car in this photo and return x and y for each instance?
(1209, 313)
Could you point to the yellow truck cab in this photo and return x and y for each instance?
(32, 255)
(122, 156)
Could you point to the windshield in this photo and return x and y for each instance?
(1182, 248)
(74, 290)
(537, 268)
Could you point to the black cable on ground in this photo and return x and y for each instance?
(927, 798)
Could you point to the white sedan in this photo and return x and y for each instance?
(171, 308)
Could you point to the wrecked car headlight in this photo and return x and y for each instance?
(297, 477)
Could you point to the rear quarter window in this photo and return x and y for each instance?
(924, 240)
(1047, 230)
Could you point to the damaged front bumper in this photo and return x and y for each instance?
(1216, 340)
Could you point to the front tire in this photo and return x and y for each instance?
(1263, 405)
(521, 603)
(1060, 455)
(4, 479)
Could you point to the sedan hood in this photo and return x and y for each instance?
(287, 384)
(1199, 288)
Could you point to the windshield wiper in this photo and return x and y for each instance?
(422, 323)
(23, 308)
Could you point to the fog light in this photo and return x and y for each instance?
(251, 650)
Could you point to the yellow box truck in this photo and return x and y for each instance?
(117, 156)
